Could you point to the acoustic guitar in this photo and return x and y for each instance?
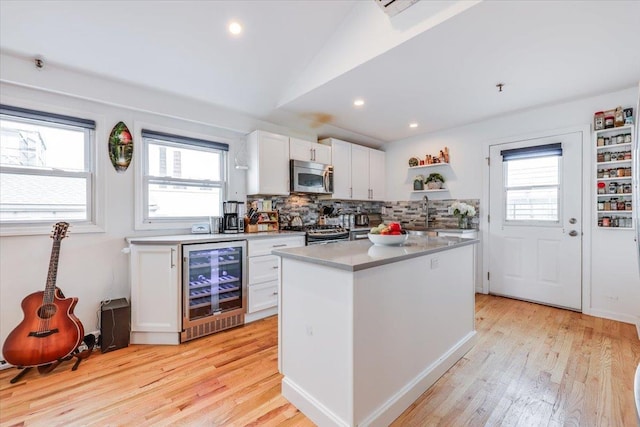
(49, 331)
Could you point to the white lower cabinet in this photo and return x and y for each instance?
(264, 275)
(155, 294)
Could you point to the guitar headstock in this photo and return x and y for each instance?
(60, 231)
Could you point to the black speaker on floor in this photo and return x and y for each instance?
(115, 324)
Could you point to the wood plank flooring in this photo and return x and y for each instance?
(532, 366)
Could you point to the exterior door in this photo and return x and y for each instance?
(535, 223)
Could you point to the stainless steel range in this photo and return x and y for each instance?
(322, 234)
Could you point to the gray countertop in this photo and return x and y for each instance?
(360, 255)
(206, 238)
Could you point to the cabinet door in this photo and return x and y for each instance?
(155, 288)
(263, 269)
(322, 153)
(263, 296)
(377, 174)
(341, 161)
(360, 172)
(300, 149)
(268, 163)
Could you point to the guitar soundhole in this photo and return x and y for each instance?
(47, 311)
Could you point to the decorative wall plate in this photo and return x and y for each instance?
(413, 162)
(120, 147)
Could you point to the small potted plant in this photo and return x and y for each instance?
(418, 183)
(434, 181)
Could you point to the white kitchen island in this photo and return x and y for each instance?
(364, 330)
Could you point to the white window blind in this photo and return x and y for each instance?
(532, 183)
(184, 178)
(46, 167)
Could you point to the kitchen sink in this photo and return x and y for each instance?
(422, 231)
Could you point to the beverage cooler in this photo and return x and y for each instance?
(214, 288)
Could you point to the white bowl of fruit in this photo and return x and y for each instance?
(388, 234)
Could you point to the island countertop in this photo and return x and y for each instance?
(361, 255)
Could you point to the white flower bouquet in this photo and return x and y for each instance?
(463, 209)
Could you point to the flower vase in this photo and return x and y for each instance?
(463, 222)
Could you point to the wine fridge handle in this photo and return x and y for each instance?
(173, 264)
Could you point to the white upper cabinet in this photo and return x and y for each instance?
(358, 171)
(268, 155)
(341, 161)
(377, 174)
(309, 151)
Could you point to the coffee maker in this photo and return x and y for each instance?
(233, 219)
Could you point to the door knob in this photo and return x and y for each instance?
(572, 221)
(573, 233)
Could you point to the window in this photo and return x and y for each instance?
(46, 167)
(184, 178)
(532, 183)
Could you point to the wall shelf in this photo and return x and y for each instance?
(433, 165)
(441, 190)
(613, 219)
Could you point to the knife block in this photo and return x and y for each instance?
(250, 228)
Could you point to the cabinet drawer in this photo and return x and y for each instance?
(263, 296)
(263, 269)
(265, 246)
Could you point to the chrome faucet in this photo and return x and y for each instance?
(426, 211)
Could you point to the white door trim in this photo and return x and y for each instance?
(587, 204)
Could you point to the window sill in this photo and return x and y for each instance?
(45, 229)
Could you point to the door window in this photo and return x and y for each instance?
(532, 184)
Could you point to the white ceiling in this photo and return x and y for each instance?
(301, 63)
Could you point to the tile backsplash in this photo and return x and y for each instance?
(408, 213)
(412, 213)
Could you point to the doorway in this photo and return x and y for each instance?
(535, 220)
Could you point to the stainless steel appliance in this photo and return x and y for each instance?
(358, 233)
(310, 177)
(322, 234)
(233, 221)
(214, 287)
(362, 220)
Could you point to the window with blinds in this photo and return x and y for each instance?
(532, 183)
(184, 178)
(46, 167)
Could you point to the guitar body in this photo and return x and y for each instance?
(49, 331)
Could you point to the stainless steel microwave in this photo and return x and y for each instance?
(310, 177)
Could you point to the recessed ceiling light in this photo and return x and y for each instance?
(358, 102)
(413, 125)
(235, 28)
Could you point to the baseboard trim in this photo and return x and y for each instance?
(612, 315)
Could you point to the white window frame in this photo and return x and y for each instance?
(93, 173)
(142, 222)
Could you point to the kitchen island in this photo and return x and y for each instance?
(364, 330)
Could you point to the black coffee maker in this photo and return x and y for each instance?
(233, 220)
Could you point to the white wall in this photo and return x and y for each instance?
(92, 266)
(611, 281)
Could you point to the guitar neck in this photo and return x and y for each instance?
(50, 288)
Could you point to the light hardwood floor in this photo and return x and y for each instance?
(532, 366)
